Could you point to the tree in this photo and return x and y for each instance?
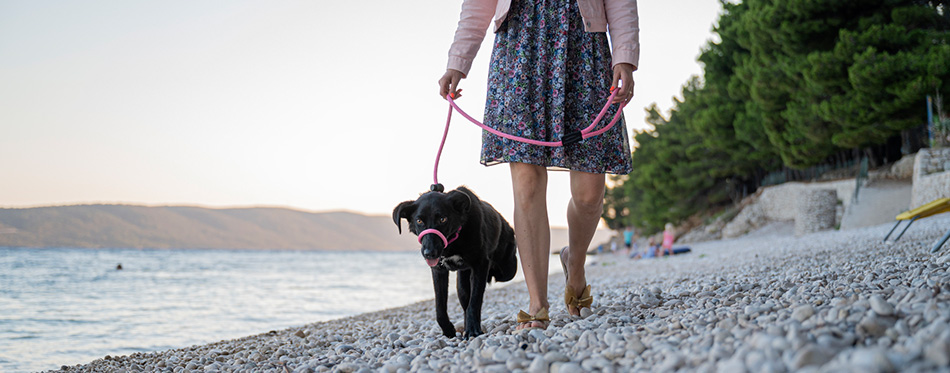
(789, 84)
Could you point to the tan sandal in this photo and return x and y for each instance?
(582, 301)
(541, 316)
(570, 299)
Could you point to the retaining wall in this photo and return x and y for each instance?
(931, 176)
(780, 203)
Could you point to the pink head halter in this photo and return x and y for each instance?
(445, 242)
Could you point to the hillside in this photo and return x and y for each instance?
(188, 227)
(124, 226)
(168, 227)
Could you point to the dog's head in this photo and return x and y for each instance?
(445, 212)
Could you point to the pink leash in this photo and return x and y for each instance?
(566, 139)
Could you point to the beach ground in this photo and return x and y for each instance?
(767, 302)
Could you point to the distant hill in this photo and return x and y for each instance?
(123, 226)
(188, 227)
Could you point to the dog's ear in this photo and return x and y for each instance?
(460, 201)
(403, 211)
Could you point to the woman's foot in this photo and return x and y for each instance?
(538, 320)
(576, 291)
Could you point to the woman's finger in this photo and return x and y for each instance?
(616, 82)
(449, 83)
(455, 85)
(628, 89)
(444, 84)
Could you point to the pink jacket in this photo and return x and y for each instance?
(476, 15)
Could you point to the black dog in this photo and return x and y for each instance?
(481, 247)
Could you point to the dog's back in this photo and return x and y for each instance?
(505, 262)
(504, 256)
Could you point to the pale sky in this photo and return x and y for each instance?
(312, 105)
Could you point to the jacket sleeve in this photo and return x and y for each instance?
(624, 28)
(473, 23)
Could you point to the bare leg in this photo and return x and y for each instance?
(583, 216)
(533, 232)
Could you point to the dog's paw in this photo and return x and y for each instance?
(473, 333)
(449, 332)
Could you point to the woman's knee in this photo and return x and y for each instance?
(587, 192)
(588, 202)
(529, 182)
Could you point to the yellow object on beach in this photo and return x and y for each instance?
(935, 207)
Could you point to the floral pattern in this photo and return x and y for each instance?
(548, 77)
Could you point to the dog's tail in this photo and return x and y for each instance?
(506, 269)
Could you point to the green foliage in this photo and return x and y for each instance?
(789, 83)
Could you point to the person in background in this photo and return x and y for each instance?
(628, 237)
(668, 238)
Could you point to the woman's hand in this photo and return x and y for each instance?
(450, 82)
(623, 72)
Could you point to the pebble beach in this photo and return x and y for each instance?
(830, 301)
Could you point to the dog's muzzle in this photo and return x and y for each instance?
(445, 242)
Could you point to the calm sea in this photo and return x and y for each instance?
(71, 306)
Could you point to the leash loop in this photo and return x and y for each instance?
(567, 139)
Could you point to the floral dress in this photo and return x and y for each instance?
(549, 77)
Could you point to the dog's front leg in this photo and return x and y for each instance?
(440, 281)
(473, 313)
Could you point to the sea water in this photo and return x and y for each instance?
(72, 306)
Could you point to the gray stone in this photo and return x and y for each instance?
(555, 356)
(871, 326)
(811, 356)
(733, 365)
(538, 365)
(501, 355)
(871, 360)
(802, 313)
(586, 312)
(880, 306)
(566, 368)
(340, 349)
(938, 353)
(671, 363)
(537, 335)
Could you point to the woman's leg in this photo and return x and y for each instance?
(583, 216)
(532, 231)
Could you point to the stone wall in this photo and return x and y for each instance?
(780, 203)
(931, 176)
(815, 210)
(931, 180)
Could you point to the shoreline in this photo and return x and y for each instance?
(832, 300)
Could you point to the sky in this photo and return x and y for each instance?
(311, 105)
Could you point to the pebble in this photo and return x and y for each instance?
(802, 313)
(538, 365)
(586, 312)
(938, 353)
(880, 306)
(566, 368)
(827, 301)
(811, 356)
(554, 357)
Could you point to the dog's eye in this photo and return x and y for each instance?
(419, 221)
(442, 219)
